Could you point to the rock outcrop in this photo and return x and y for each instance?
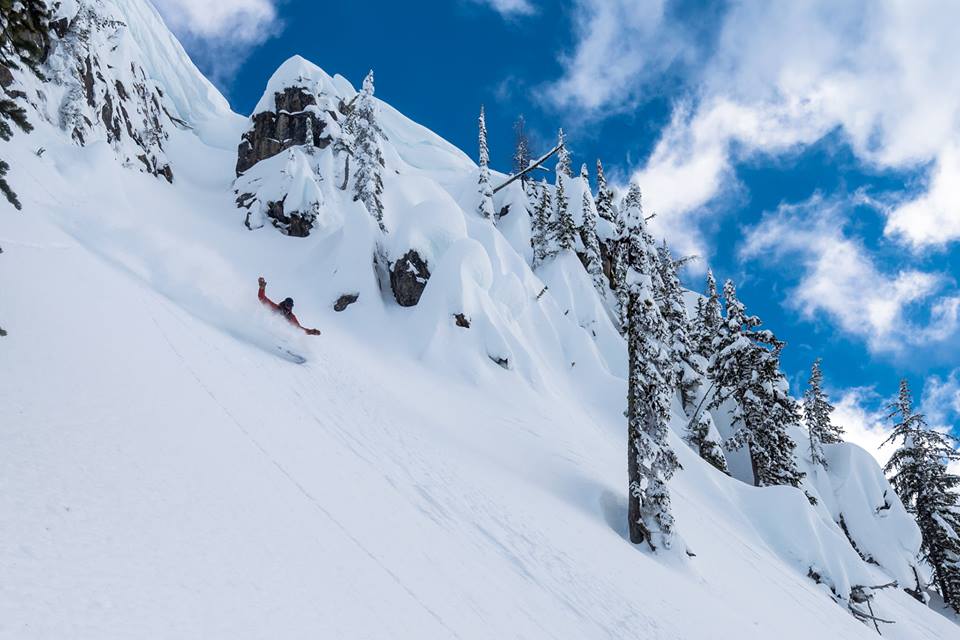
(408, 278)
(283, 163)
(295, 120)
(345, 301)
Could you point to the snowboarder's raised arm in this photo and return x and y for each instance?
(262, 294)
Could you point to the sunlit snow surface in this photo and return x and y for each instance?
(165, 475)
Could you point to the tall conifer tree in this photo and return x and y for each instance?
(363, 126)
(541, 233)
(746, 368)
(650, 460)
(564, 230)
(521, 150)
(563, 156)
(605, 203)
(816, 416)
(709, 317)
(919, 475)
(630, 208)
(588, 234)
(485, 208)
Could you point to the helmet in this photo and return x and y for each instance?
(287, 305)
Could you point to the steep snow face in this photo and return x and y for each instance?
(454, 469)
(185, 480)
(120, 77)
(190, 96)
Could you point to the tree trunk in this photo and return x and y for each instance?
(753, 465)
(637, 530)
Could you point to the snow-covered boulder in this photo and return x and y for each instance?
(300, 114)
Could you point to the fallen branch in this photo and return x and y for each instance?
(533, 166)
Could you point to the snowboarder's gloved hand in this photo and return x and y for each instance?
(313, 332)
(261, 281)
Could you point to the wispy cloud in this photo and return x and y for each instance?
(863, 414)
(509, 8)
(620, 46)
(891, 310)
(941, 400)
(860, 412)
(219, 34)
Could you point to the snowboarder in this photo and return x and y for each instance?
(285, 308)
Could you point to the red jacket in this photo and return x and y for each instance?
(267, 302)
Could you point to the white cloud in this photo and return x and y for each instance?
(510, 8)
(934, 217)
(840, 279)
(783, 75)
(864, 425)
(219, 34)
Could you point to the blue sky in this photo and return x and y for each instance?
(807, 150)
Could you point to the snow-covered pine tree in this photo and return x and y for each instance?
(816, 416)
(746, 368)
(368, 177)
(928, 491)
(541, 236)
(563, 156)
(521, 148)
(650, 460)
(485, 208)
(588, 234)
(23, 42)
(686, 371)
(565, 230)
(709, 317)
(630, 208)
(701, 434)
(705, 443)
(605, 204)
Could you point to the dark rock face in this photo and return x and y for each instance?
(60, 27)
(461, 320)
(408, 278)
(289, 125)
(105, 101)
(345, 301)
(294, 223)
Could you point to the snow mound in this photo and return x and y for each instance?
(296, 71)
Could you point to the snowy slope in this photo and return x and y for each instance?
(164, 474)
